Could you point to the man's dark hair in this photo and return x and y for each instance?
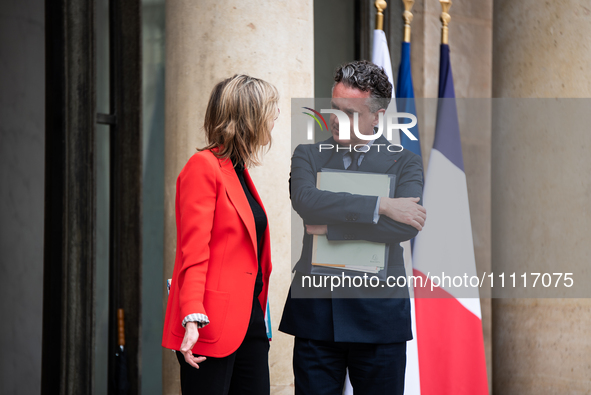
(368, 77)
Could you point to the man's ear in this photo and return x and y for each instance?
(376, 115)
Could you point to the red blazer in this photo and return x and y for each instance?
(216, 256)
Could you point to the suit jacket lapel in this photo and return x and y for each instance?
(253, 190)
(373, 161)
(379, 162)
(330, 159)
(239, 200)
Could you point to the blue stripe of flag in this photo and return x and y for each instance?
(447, 131)
(405, 100)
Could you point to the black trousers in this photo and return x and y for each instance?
(244, 372)
(374, 369)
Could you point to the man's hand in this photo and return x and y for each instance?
(404, 210)
(316, 229)
(191, 336)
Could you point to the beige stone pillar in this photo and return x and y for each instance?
(207, 41)
(540, 197)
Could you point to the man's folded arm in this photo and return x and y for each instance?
(386, 230)
(318, 207)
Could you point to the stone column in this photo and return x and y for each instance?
(540, 196)
(207, 41)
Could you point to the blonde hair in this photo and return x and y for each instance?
(238, 119)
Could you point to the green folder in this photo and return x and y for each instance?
(352, 255)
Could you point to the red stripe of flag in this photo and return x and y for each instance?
(450, 343)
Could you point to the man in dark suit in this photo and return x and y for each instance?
(366, 335)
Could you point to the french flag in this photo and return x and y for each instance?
(405, 102)
(449, 322)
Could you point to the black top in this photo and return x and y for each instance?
(260, 221)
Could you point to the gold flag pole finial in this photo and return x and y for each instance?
(445, 18)
(380, 6)
(407, 16)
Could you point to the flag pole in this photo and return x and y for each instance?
(380, 6)
(407, 16)
(445, 18)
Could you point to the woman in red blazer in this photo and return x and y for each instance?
(214, 317)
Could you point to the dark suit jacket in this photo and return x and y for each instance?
(363, 320)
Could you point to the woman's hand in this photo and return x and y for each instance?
(191, 336)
